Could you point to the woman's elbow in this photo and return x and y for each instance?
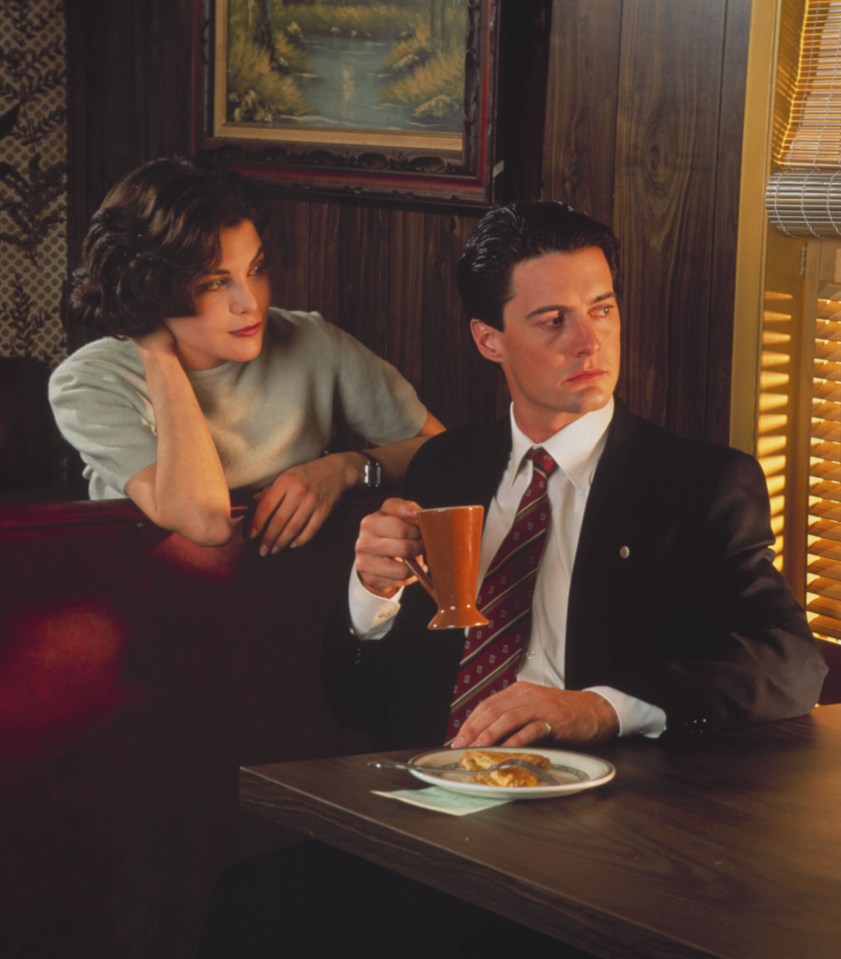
(210, 528)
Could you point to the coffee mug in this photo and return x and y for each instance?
(452, 538)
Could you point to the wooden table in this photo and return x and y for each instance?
(728, 846)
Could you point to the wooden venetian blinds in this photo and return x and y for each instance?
(823, 572)
(799, 423)
(804, 194)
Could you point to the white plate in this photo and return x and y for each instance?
(573, 771)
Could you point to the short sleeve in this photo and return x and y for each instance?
(378, 402)
(102, 408)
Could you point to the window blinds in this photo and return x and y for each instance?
(804, 194)
(823, 577)
(805, 204)
(799, 422)
(799, 427)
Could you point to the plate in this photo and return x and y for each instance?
(573, 771)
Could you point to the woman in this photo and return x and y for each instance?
(198, 385)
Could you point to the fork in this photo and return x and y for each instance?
(541, 774)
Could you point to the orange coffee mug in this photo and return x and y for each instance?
(452, 538)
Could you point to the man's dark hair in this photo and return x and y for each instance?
(521, 231)
(155, 233)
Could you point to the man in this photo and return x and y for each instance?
(655, 609)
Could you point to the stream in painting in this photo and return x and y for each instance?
(345, 85)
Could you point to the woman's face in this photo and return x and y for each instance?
(231, 303)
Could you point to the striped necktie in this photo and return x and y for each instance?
(492, 653)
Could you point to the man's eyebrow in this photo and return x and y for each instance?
(560, 308)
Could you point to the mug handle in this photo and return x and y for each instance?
(422, 576)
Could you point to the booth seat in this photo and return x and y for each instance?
(137, 673)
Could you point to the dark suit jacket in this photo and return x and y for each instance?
(692, 616)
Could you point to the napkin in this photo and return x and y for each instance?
(442, 800)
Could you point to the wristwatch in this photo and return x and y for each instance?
(372, 472)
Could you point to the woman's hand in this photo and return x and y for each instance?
(160, 340)
(292, 510)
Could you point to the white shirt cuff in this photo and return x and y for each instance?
(636, 717)
(371, 616)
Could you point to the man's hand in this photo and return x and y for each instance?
(524, 712)
(296, 504)
(385, 539)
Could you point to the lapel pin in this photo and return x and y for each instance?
(624, 552)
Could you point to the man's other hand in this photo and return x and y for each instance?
(527, 712)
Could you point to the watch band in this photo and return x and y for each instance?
(372, 472)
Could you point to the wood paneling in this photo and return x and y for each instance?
(405, 313)
(521, 97)
(289, 253)
(363, 274)
(581, 109)
(323, 256)
(727, 211)
(666, 151)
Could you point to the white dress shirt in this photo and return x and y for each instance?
(576, 449)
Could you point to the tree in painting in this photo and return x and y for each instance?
(439, 21)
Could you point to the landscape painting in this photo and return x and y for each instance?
(384, 86)
(338, 66)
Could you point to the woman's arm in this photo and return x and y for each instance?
(185, 489)
(291, 511)
(395, 457)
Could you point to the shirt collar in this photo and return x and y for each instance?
(575, 448)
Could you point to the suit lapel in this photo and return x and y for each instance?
(607, 548)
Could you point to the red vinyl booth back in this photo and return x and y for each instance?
(137, 672)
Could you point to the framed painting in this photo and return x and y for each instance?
(385, 98)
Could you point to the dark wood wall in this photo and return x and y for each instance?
(643, 119)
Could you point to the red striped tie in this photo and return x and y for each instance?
(492, 653)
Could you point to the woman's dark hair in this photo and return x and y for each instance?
(156, 232)
(521, 231)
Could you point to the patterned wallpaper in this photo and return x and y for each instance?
(33, 178)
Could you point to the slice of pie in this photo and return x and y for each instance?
(510, 776)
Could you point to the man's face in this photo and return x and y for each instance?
(559, 346)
